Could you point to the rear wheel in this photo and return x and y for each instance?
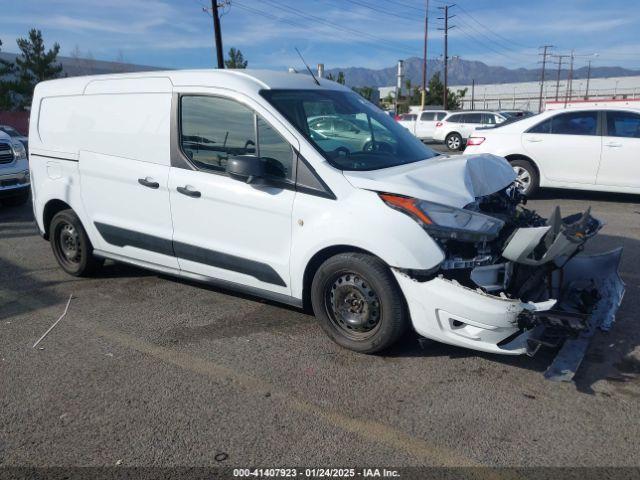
(71, 245)
(454, 141)
(527, 178)
(358, 302)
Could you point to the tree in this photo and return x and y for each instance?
(436, 92)
(339, 79)
(365, 92)
(7, 83)
(236, 59)
(34, 64)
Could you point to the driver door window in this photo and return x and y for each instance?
(215, 128)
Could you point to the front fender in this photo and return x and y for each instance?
(360, 220)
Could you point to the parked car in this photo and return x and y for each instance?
(456, 127)
(352, 134)
(217, 176)
(423, 125)
(14, 171)
(15, 135)
(587, 149)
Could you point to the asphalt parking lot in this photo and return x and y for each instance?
(150, 370)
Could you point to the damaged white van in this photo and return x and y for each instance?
(300, 191)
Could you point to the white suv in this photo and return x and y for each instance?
(14, 171)
(422, 125)
(219, 176)
(456, 127)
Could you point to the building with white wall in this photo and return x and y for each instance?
(526, 95)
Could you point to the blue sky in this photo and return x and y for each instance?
(339, 33)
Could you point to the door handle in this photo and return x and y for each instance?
(189, 192)
(613, 144)
(534, 140)
(148, 182)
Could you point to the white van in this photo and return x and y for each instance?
(217, 176)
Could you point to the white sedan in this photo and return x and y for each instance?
(585, 148)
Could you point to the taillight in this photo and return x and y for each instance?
(475, 140)
(396, 117)
(439, 124)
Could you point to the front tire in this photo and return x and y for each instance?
(358, 302)
(71, 245)
(454, 141)
(527, 178)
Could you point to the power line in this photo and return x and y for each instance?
(379, 10)
(491, 30)
(330, 24)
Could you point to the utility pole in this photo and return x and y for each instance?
(473, 92)
(446, 29)
(544, 64)
(568, 96)
(586, 92)
(424, 55)
(400, 76)
(560, 58)
(217, 33)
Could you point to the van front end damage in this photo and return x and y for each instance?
(522, 284)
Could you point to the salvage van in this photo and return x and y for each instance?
(218, 176)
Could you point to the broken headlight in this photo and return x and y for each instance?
(447, 222)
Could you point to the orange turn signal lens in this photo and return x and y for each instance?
(407, 205)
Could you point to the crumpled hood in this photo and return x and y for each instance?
(454, 181)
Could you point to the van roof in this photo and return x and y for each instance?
(249, 81)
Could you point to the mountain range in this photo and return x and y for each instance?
(463, 72)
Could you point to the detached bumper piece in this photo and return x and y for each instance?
(590, 292)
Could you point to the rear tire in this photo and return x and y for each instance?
(71, 245)
(527, 177)
(358, 302)
(454, 141)
(16, 201)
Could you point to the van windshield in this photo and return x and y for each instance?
(350, 132)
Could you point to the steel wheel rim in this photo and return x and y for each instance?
(69, 245)
(523, 179)
(352, 305)
(454, 143)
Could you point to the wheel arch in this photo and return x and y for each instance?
(50, 209)
(318, 259)
(518, 156)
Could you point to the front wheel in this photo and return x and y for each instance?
(358, 302)
(71, 245)
(454, 141)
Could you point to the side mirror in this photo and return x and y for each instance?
(246, 168)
